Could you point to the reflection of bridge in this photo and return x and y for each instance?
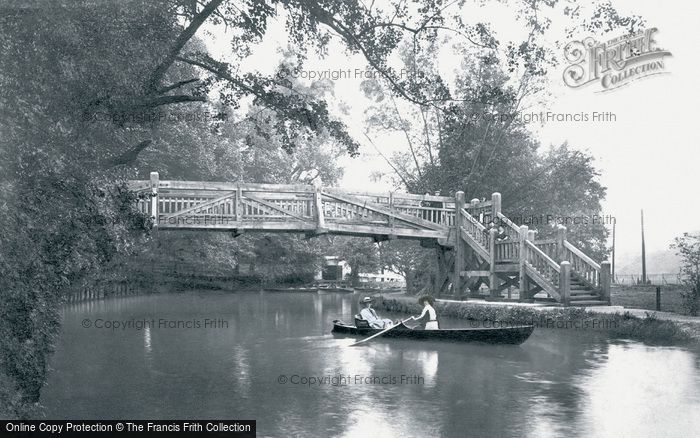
(468, 254)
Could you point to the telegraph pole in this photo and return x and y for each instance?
(644, 255)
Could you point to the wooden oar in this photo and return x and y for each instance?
(381, 333)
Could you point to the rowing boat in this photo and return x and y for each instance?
(497, 335)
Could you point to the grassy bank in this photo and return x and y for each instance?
(624, 325)
(644, 297)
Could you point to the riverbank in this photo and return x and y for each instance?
(618, 322)
(644, 297)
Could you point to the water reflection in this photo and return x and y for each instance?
(557, 383)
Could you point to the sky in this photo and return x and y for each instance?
(648, 149)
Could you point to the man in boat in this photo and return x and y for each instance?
(429, 315)
(370, 315)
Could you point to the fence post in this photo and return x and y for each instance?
(658, 298)
(560, 239)
(523, 258)
(495, 207)
(605, 279)
(531, 235)
(154, 198)
(565, 283)
(493, 277)
(459, 246)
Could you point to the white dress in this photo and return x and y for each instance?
(369, 315)
(432, 323)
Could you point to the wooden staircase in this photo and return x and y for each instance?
(515, 258)
(584, 295)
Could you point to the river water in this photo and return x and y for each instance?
(213, 355)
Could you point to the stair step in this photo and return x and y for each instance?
(507, 267)
(584, 297)
(589, 303)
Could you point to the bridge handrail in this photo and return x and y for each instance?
(223, 186)
(585, 267)
(533, 250)
(508, 250)
(447, 201)
(510, 225)
(548, 246)
(480, 210)
(475, 229)
(547, 269)
(578, 253)
(383, 198)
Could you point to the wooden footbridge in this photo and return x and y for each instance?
(469, 254)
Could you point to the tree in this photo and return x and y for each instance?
(483, 145)
(410, 260)
(688, 248)
(361, 254)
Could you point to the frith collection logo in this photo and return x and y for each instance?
(614, 63)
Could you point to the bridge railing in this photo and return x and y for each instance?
(583, 267)
(476, 230)
(552, 261)
(218, 204)
(548, 246)
(480, 210)
(545, 268)
(435, 209)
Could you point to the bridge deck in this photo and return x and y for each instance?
(187, 205)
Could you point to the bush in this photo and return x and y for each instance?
(691, 300)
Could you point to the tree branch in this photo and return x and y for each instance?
(182, 39)
(167, 100)
(176, 85)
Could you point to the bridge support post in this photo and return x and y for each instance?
(441, 280)
(391, 209)
(494, 283)
(560, 239)
(239, 203)
(318, 205)
(605, 279)
(495, 207)
(565, 283)
(522, 259)
(459, 247)
(524, 293)
(154, 198)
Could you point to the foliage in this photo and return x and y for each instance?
(688, 248)
(483, 145)
(410, 260)
(361, 254)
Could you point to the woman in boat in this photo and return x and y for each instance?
(429, 315)
(370, 315)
